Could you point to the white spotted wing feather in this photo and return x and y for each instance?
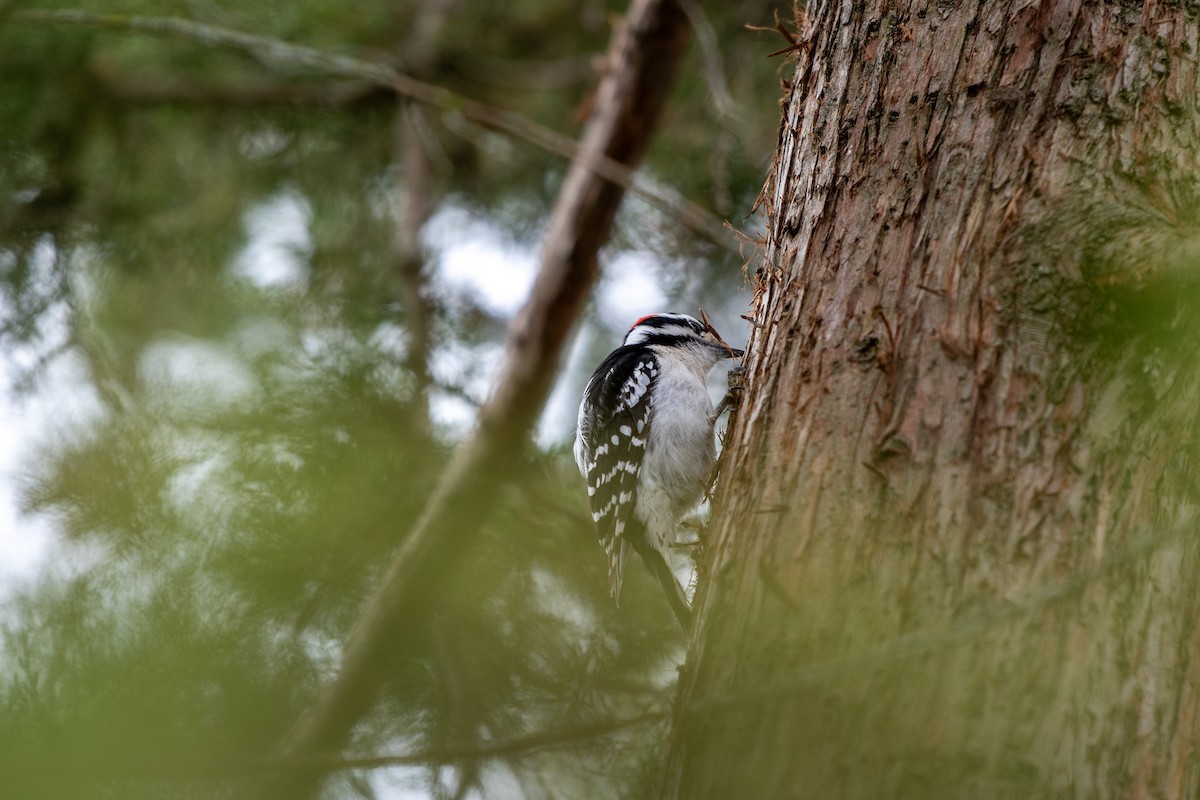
(610, 451)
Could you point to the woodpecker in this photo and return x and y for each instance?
(644, 442)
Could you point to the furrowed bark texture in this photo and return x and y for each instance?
(953, 553)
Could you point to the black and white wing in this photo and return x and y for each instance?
(614, 424)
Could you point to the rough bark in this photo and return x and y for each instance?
(953, 553)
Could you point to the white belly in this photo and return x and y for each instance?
(680, 452)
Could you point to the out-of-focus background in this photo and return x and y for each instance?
(246, 312)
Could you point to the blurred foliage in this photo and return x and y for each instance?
(210, 243)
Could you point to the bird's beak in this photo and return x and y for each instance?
(721, 343)
(724, 347)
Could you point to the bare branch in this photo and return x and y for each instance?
(714, 63)
(643, 58)
(517, 746)
(474, 752)
(248, 94)
(271, 50)
(264, 48)
(416, 203)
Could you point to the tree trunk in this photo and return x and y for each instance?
(953, 553)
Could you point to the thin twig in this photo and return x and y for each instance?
(645, 55)
(517, 746)
(917, 643)
(417, 203)
(271, 50)
(714, 64)
(454, 753)
(704, 318)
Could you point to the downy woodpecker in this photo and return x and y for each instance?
(645, 442)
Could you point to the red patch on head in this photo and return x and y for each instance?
(641, 320)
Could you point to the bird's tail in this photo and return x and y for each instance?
(666, 578)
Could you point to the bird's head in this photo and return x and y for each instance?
(675, 328)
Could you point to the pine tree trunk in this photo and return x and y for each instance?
(954, 552)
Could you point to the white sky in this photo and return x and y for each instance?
(21, 545)
(472, 258)
(62, 398)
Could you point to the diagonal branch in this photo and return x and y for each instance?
(268, 49)
(643, 58)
